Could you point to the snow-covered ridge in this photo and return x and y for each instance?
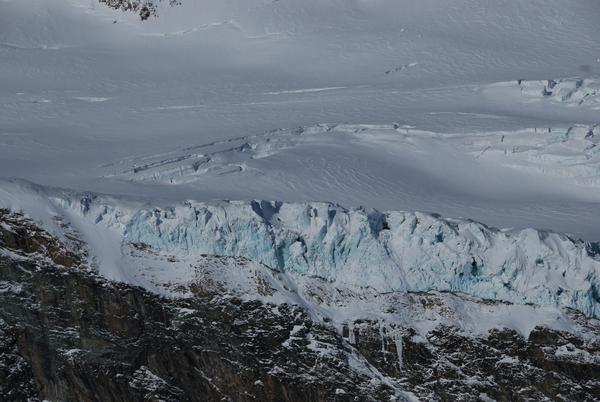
(570, 152)
(385, 251)
(570, 92)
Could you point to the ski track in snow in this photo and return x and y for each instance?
(91, 99)
(304, 91)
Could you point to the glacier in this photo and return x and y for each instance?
(393, 168)
(390, 251)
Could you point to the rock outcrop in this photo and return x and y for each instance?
(145, 8)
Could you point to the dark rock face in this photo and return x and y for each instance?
(20, 235)
(76, 337)
(504, 366)
(145, 8)
(68, 335)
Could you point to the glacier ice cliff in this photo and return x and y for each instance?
(384, 251)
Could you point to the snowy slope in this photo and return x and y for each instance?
(84, 86)
(473, 110)
(538, 176)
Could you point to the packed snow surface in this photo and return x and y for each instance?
(83, 87)
(472, 110)
(509, 178)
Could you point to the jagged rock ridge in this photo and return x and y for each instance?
(145, 8)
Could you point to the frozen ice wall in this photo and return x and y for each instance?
(387, 251)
